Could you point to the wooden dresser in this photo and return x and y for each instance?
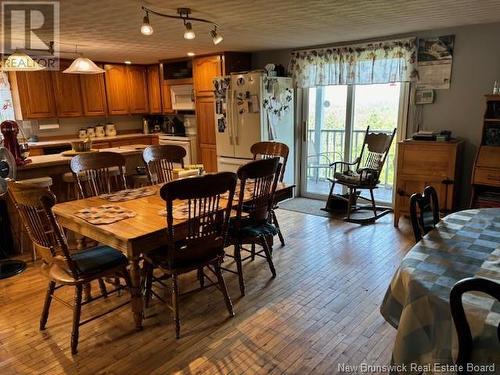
(486, 172)
(422, 163)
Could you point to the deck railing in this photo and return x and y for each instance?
(331, 148)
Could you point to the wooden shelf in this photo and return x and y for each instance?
(492, 119)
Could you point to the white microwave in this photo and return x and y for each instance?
(182, 97)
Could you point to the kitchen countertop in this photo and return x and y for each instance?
(62, 142)
(59, 159)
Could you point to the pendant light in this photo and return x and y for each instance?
(20, 62)
(82, 65)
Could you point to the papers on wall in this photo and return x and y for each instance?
(435, 59)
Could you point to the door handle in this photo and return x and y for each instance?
(304, 131)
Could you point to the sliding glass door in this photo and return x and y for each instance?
(336, 121)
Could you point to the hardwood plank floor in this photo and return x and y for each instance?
(321, 310)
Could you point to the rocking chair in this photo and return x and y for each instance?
(364, 175)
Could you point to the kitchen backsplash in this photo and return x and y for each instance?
(70, 126)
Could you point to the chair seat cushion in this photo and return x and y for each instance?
(349, 177)
(354, 178)
(251, 229)
(98, 259)
(183, 258)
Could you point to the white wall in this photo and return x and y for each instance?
(476, 65)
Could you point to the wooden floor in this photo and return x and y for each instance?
(321, 310)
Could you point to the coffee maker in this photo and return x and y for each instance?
(10, 130)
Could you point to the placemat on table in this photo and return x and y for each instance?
(105, 214)
(181, 211)
(129, 194)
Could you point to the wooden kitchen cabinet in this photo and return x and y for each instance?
(205, 69)
(116, 89)
(154, 89)
(67, 92)
(439, 168)
(137, 89)
(209, 157)
(36, 94)
(205, 111)
(93, 94)
(166, 98)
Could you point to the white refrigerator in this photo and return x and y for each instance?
(249, 108)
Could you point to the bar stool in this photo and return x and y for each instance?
(43, 182)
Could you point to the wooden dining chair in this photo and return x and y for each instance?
(465, 342)
(424, 212)
(61, 267)
(99, 173)
(266, 150)
(252, 224)
(205, 204)
(161, 160)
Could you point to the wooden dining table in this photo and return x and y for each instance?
(133, 236)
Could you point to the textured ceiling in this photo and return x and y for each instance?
(108, 30)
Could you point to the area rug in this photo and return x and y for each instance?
(306, 206)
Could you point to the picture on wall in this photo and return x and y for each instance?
(435, 59)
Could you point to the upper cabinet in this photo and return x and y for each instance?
(36, 94)
(137, 89)
(154, 89)
(93, 94)
(67, 93)
(205, 69)
(126, 89)
(116, 89)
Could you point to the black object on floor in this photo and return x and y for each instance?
(8, 267)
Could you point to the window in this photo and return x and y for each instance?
(6, 107)
(336, 124)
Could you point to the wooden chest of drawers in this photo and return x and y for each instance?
(423, 163)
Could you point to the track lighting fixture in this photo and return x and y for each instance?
(183, 15)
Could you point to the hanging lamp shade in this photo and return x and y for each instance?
(19, 61)
(82, 65)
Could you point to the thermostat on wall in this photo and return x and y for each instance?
(424, 96)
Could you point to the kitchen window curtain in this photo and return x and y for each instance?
(368, 63)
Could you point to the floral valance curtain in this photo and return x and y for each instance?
(368, 63)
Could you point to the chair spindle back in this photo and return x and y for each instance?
(207, 202)
(99, 173)
(161, 160)
(34, 205)
(258, 182)
(266, 150)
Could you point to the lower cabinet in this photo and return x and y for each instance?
(209, 157)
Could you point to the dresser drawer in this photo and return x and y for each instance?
(487, 176)
(428, 160)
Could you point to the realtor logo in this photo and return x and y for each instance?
(31, 28)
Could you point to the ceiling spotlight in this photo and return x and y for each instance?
(216, 37)
(128, 62)
(191, 54)
(189, 33)
(146, 28)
